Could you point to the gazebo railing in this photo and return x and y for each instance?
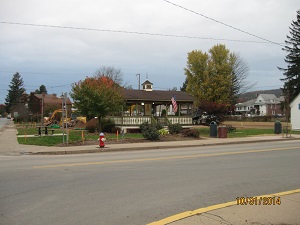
(183, 120)
(138, 120)
(130, 121)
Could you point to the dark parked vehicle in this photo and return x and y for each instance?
(202, 118)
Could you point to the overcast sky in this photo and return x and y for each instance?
(58, 57)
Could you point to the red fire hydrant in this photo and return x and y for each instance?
(102, 140)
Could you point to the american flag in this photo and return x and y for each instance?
(174, 103)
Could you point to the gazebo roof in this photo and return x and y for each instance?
(147, 82)
(156, 96)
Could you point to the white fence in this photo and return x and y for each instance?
(137, 120)
(127, 120)
(180, 120)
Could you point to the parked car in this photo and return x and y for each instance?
(202, 118)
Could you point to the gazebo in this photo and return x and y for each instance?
(148, 105)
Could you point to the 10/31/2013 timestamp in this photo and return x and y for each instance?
(258, 200)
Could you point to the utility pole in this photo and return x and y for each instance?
(66, 116)
(139, 88)
(139, 75)
(62, 116)
(43, 96)
(42, 119)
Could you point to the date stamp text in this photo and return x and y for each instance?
(258, 200)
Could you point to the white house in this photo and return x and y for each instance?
(268, 104)
(263, 105)
(295, 113)
(245, 107)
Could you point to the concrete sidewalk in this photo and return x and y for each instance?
(287, 213)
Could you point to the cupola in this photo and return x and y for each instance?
(147, 86)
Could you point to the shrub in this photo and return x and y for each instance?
(115, 129)
(144, 126)
(191, 133)
(107, 125)
(163, 132)
(174, 128)
(159, 126)
(149, 131)
(92, 125)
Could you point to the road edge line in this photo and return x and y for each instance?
(186, 214)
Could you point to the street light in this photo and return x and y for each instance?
(139, 75)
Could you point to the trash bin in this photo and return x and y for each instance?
(277, 127)
(213, 131)
(222, 132)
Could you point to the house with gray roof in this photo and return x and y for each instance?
(263, 105)
(245, 108)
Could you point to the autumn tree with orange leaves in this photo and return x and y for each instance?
(97, 96)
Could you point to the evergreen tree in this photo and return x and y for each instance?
(184, 85)
(292, 73)
(41, 90)
(15, 92)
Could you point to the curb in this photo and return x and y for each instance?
(107, 149)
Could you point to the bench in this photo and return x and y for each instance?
(44, 130)
(230, 128)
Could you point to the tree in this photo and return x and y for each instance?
(15, 92)
(217, 76)
(292, 73)
(240, 85)
(97, 96)
(172, 89)
(109, 71)
(184, 85)
(2, 110)
(41, 90)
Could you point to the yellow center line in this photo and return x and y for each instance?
(164, 158)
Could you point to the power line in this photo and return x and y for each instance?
(217, 21)
(49, 73)
(138, 33)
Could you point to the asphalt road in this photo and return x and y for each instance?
(142, 186)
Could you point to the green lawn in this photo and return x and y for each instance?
(205, 132)
(76, 135)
